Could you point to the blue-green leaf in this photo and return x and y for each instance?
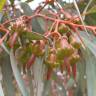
(17, 75)
(7, 75)
(1, 90)
(90, 61)
(90, 42)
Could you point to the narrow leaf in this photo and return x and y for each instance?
(38, 75)
(7, 75)
(90, 61)
(1, 90)
(17, 75)
(89, 42)
(32, 36)
(92, 10)
(31, 87)
(47, 88)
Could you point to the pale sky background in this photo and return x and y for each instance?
(34, 4)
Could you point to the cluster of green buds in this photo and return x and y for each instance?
(62, 52)
(65, 53)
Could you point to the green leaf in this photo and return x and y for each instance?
(90, 42)
(12, 2)
(90, 61)
(7, 74)
(31, 87)
(32, 36)
(2, 4)
(47, 88)
(81, 72)
(17, 75)
(1, 90)
(91, 16)
(89, 58)
(91, 19)
(29, 12)
(92, 10)
(38, 70)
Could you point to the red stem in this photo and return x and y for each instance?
(49, 73)
(31, 61)
(60, 21)
(12, 39)
(4, 30)
(66, 62)
(74, 70)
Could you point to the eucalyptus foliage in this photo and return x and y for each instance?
(25, 71)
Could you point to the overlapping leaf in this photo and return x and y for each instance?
(90, 61)
(90, 42)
